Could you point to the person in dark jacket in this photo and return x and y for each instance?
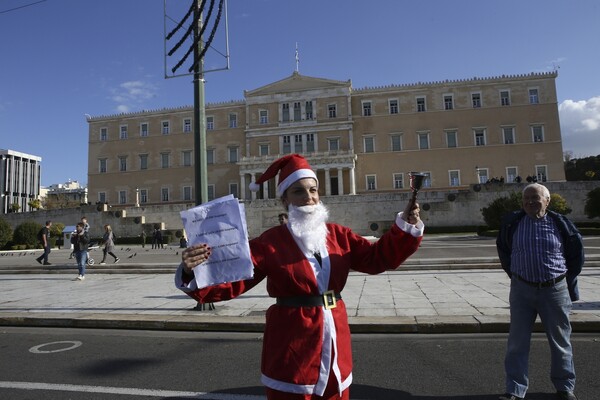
(81, 241)
(542, 253)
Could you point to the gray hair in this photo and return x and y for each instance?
(538, 187)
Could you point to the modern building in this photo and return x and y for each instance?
(459, 133)
(65, 194)
(19, 180)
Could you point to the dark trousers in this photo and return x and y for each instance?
(45, 255)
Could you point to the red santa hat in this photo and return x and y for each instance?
(290, 168)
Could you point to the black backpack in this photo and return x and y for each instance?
(40, 235)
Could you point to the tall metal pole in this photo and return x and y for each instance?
(200, 165)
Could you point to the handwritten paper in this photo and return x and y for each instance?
(221, 223)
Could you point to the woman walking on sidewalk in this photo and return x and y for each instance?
(109, 244)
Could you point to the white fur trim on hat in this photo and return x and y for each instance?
(254, 186)
(293, 177)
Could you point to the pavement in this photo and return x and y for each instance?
(453, 284)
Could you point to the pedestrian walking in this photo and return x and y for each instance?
(43, 237)
(109, 244)
(306, 347)
(81, 241)
(86, 227)
(542, 253)
(143, 239)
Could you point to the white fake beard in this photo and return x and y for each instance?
(307, 224)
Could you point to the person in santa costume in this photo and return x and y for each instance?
(307, 351)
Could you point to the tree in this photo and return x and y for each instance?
(5, 233)
(36, 204)
(592, 203)
(492, 214)
(15, 207)
(26, 233)
(56, 229)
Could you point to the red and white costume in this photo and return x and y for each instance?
(304, 346)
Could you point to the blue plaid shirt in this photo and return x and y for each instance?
(537, 250)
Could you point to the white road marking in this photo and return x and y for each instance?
(73, 344)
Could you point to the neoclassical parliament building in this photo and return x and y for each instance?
(358, 140)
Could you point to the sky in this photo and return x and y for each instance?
(61, 60)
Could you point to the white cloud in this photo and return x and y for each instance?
(580, 126)
(131, 95)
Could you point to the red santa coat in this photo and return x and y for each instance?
(303, 345)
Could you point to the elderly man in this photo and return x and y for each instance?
(542, 253)
(306, 348)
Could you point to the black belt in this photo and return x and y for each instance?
(538, 285)
(327, 299)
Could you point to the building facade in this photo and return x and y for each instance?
(367, 140)
(19, 180)
(70, 193)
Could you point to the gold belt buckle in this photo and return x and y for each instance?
(329, 300)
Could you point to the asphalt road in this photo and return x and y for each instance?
(108, 364)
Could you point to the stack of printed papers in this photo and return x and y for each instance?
(220, 223)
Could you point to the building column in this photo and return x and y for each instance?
(327, 182)
(352, 181)
(242, 187)
(340, 181)
(253, 193)
(265, 190)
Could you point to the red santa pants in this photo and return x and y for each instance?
(331, 393)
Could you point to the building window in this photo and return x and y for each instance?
(298, 143)
(511, 174)
(451, 139)
(211, 192)
(144, 129)
(102, 165)
(210, 156)
(233, 120)
(398, 181)
(537, 132)
(103, 134)
(164, 160)
(165, 128)
(123, 164)
(476, 100)
(366, 108)
(482, 174)
(533, 96)
(285, 112)
(421, 107)
(210, 123)
(333, 144)
(122, 196)
(508, 133)
(187, 193)
(164, 194)
(309, 110)
(423, 141)
(233, 189)
(186, 156)
(371, 182)
(448, 102)
(123, 132)
(427, 180)
(233, 154)
(479, 137)
(505, 97)
(263, 117)
(541, 172)
(143, 195)
(287, 144)
(143, 161)
(187, 125)
(310, 142)
(263, 149)
(454, 178)
(396, 142)
(369, 144)
(102, 197)
(332, 110)
(297, 111)
(393, 104)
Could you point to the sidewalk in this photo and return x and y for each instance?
(138, 293)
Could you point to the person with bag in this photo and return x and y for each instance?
(81, 241)
(43, 236)
(109, 244)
